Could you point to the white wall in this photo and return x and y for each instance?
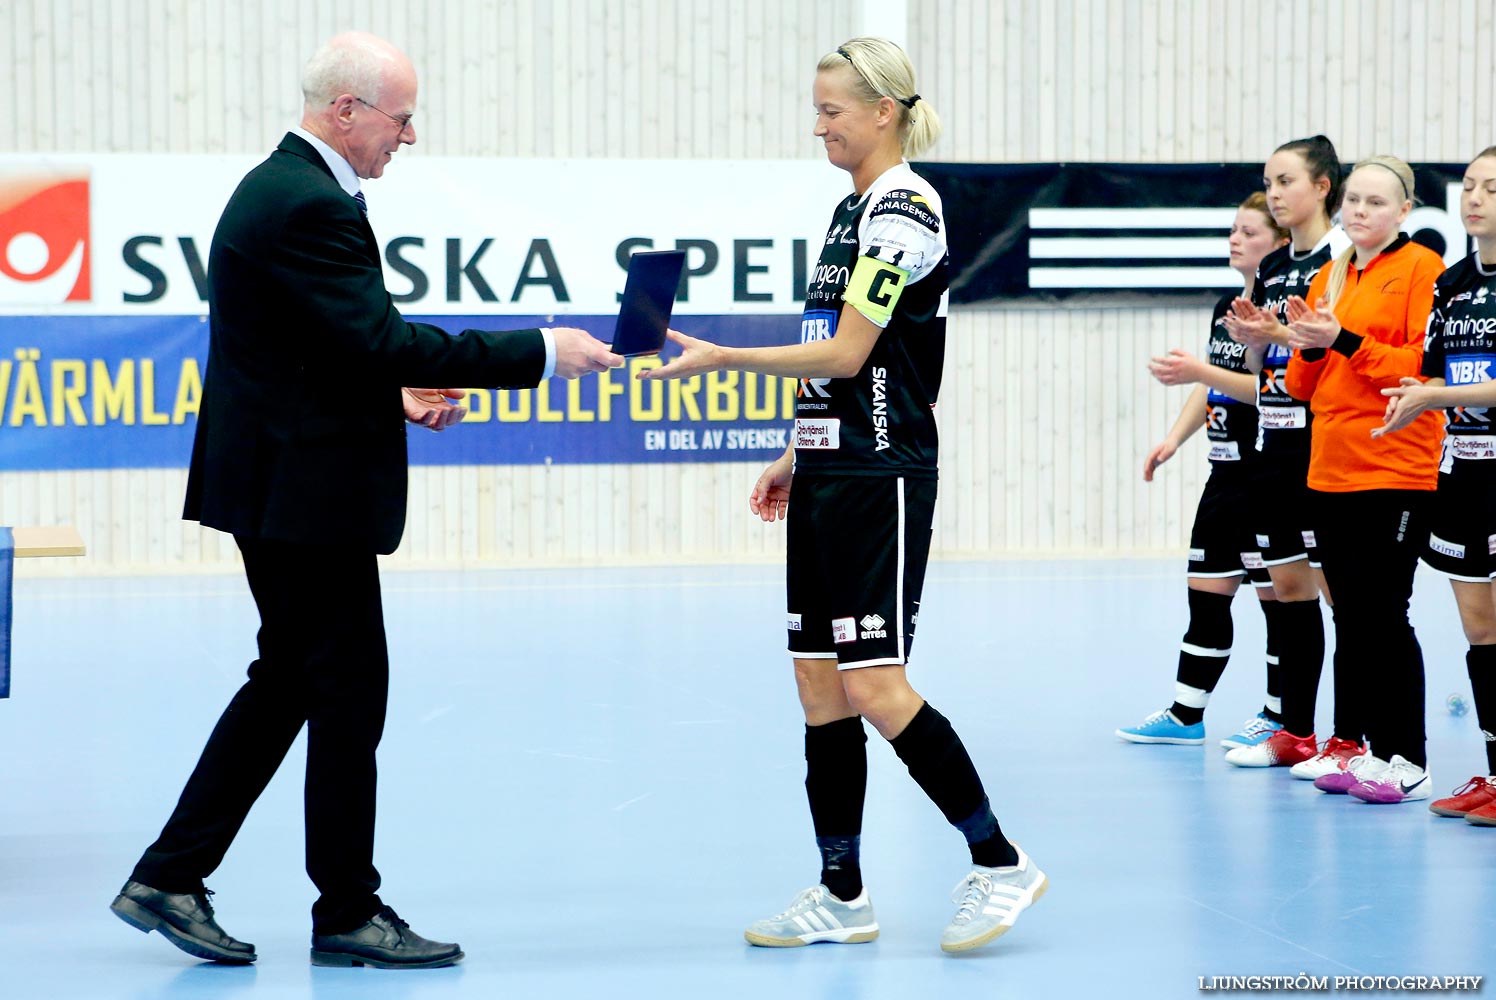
(1047, 411)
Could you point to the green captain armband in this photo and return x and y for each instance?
(875, 288)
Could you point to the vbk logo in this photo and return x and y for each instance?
(44, 226)
(1468, 372)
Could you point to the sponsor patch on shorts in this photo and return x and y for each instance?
(1264, 541)
(1491, 545)
(844, 630)
(1251, 560)
(1309, 542)
(1452, 549)
(794, 623)
(1197, 555)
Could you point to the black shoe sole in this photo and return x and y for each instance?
(145, 921)
(347, 960)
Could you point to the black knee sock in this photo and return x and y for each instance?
(1481, 662)
(1301, 657)
(1202, 654)
(938, 761)
(836, 784)
(1272, 707)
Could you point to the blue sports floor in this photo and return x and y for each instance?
(592, 780)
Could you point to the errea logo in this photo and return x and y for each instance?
(872, 627)
(44, 244)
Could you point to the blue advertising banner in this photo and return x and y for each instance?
(106, 392)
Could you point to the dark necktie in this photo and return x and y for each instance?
(363, 203)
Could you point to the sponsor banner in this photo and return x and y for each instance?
(129, 234)
(104, 392)
(103, 284)
(1125, 231)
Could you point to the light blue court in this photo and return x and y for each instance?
(592, 780)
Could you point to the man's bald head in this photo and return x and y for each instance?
(354, 62)
(360, 97)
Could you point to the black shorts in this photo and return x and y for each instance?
(1221, 542)
(1462, 539)
(857, 550)
(1280, 516)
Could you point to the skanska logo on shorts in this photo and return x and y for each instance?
(872, 627)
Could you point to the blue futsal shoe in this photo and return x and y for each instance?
(1162, 727)
(1256, 729)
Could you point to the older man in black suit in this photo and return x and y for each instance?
(300, 454)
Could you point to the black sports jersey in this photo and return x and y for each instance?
(1283, 421)
(881, 421)
(1460, 348)
(1230, 424)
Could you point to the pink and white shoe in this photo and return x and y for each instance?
(1400, 781)
(1364, 767)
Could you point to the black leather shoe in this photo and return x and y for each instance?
(385, 942)
(184, 920)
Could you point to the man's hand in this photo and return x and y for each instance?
(434, 409)
(580, 353)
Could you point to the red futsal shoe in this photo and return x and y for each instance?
(1478, 791)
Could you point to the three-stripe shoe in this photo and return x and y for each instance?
(990, 899)
(1400, 781)
(816, 915)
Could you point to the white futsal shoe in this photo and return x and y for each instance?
(990, 900)
(815, 916)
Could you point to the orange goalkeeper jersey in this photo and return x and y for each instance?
(1383, 311)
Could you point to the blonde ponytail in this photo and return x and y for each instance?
(1338, 271)
(881, 69)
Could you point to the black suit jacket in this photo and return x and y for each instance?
(301, 433)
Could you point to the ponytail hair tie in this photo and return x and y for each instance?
(908, 102)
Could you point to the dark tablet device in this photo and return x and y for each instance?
(648, 297)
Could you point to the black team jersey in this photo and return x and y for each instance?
(881, 421)
(1282, 421)
(1230, 424)
(1460, 348)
